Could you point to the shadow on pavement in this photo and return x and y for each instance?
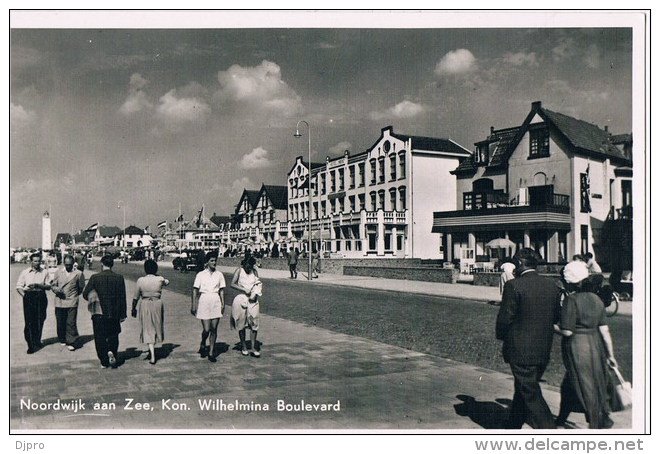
(489, 415)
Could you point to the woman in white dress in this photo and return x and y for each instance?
(148, 290)
(245, 307)
(208, 304)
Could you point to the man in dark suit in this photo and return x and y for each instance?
(108, 288)
(530, 307)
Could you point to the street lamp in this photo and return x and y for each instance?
(121, 205)
(309, 194)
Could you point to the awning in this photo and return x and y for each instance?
(316, 235)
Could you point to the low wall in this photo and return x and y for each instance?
(331, 266)
(487, 279)
(427, 274)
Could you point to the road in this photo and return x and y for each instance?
(388, 358)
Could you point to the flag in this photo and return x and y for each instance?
(92, 227)
(585, 192)
(162, 225)
(179, 219)
(200, 217)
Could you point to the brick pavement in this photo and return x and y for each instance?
(379, 387)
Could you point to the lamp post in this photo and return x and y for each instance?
(121, 205)
(309, 195)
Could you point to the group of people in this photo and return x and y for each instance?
(534, 309)
(105, 293)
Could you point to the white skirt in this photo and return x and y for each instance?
(209, 306)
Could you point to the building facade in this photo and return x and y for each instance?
(377, 203)
(552, 183)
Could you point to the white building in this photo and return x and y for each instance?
(377, 203)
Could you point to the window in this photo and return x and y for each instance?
(381, 169)
(539, 143)
(341, 204)
(481, 155)
(399, 242)
(341, 179)
(351, 177)
(585, 203)
(402, 198)
(402, 164)
(332, 181)
(272, 216)
(361, 202)
(381, 199)
(323, 208)
(388, 241)
(392, 167)
(323, 183)
(316, 210)
(315, 184)
(361, 174)
(584, 239)
(372, 194)
(351, 202)
(373, 171)
(393, 199)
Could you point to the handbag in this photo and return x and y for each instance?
(621, 397)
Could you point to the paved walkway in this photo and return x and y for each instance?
(366, 385)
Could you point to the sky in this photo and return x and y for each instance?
(107, 121)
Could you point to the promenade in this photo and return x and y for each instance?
(366, 386)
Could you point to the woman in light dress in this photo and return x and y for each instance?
(148, 291)
(245, 307)
(208, 304)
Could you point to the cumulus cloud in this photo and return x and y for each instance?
(340, 148)
(19, 116)
(258, 86)
(137, 99)
(405, 109)
(182, 110)
(564, 49)
(521, 59)
(256, 159)
(459, 61)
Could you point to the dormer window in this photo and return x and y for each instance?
(539, 142)
(481, 155)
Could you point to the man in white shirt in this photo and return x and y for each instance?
(592, 265)
(32, 285)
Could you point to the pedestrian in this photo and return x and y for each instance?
(245, 307)
(587, 350)
(109, 289)
(592, 265)
(530, 307)
(148, 290)
(292, 260)
(68, 285)
(316, 263)
(184, 262)
(80, 260)
(32, 285)
(51, 264)
(208, 304)
(506, 274)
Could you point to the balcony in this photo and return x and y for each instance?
(495, 211)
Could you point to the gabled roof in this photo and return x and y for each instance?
(433, 144)
(252, 197)
(220, 220)
(133, 230)
(63, 238)
(278, 195)
(106, 231)
(501, 140)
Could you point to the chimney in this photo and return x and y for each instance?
(606, 129)
(536, 105)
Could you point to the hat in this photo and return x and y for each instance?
(575, 272)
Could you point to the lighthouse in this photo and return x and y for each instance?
(46, 243)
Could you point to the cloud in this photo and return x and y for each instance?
(137, 99)
(521, 59)
(564, 49)
(258, 87)
(340, 148)
(458, 61)
(405, 109)
(182, 110)
(256, 159)
(19, 116)
(592, 57)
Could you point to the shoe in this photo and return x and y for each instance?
(103, 366)
(30, 351)
(111, 359)
(212, 358)
(256, 354)
(70, 348)
(203, 352)
(245, 352)
(62, 344)
(152, 362)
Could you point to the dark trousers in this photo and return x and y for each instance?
(528, 405)
(67, 324)
(106, 336)
(34, 314)
(293, 270)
